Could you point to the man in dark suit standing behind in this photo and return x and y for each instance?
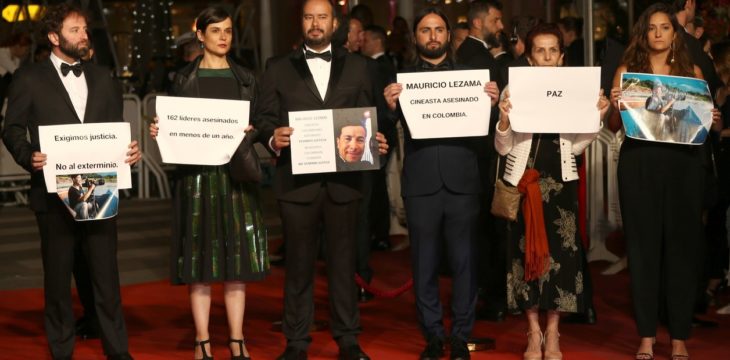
(441, 187)
(315, 77)
(62, 90)
(485, 20)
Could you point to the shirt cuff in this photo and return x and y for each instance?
(271, 146)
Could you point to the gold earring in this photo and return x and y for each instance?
(671, 61)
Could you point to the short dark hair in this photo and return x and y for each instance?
(363, 13)
(544, 29)
(332, 5)
(571, 23)
(378, 32)
(461, 26)
(428, 11)
(19, 38)
(52, 21)
(210, 15)
(678, 5)
(478, 7)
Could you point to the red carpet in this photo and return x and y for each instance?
(160, 326)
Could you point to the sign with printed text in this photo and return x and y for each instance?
(336, 140)
(84, 149)
(197, 131)
(554, 99)
(444, 104)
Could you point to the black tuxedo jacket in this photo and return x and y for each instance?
(431, 164)
(37, 97)
(473, 54)
(287, 85)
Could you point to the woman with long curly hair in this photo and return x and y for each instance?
(661, 190)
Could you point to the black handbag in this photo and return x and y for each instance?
(245, 165)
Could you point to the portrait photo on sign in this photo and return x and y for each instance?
(664, 108)
(92, 196)
(355, 145)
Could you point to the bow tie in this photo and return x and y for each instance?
(444, 65)
(326, 56)
(77, 70)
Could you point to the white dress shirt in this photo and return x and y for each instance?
(320, 70)
(75, 87)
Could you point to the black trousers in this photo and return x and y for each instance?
(363, 228)
(660, 188)
(60, 234)
(302, 224)
(453, 218)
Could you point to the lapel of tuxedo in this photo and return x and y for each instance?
(300, 64)
(91, 95)
(55, 81)
(338, 63)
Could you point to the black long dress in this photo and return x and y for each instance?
(561, 287)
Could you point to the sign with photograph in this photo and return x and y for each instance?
(334, 140)
(197, 131)
(86, 149)
(664, 108)
(445, 104)
(89, 196)
(554, 99)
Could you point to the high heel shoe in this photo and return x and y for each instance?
(552, 355)
(240, 343)
(645, 355)
(202, 349)
(534, 354)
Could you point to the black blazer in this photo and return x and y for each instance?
(430, 164)
(186, 80)
(287, 85)
(37, 97)
(473, 54)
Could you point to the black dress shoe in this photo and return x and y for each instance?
(292, 353)
(459, 350)
(491, 315)
(588, 317)
(352, 352)
(434, 349)
(363, 295)
(87, 328)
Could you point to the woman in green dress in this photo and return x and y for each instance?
(218, 230)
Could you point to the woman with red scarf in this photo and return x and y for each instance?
(545, 252)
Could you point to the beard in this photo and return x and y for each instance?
(316, 43)
(433, 53)
(75, 51)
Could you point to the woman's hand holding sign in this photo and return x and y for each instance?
(504, 108)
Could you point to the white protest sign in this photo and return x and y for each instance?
(444, 104)
(338, 140)
(84, 149)
(199, 131)
(554, 99)
(312, 141)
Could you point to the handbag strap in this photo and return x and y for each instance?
(531, 164)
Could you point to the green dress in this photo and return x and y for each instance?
(218, 229)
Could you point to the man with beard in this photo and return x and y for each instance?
(62, 90)
(441, 187)
(485, 22)
(316, 76)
